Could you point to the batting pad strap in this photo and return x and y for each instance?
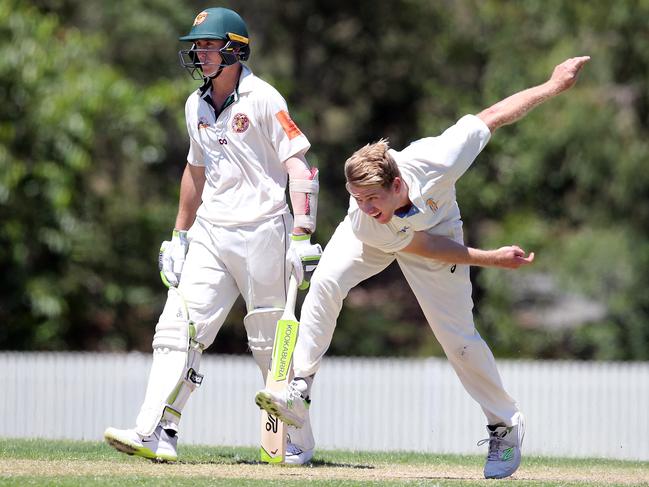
(188, 383)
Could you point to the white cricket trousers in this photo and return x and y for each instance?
(444, 296)
(224, 262)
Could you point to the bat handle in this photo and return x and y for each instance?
(291, 294)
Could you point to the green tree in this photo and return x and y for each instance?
(92, 144)
(80, 143)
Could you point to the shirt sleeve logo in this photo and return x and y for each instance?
(240, 123)
(432, 204)
(289, 126)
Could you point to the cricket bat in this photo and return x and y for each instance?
(273, 430)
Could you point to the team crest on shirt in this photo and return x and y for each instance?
(203, 123)
(240, 123)
(432, 204)
(200, 18)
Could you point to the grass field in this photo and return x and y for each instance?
(68, 463)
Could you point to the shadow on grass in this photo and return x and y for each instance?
(234, 459)
(324, 463)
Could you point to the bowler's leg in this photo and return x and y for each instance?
(444, 293)
(345, 262)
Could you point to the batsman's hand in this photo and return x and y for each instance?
(172, 258)
(304, 258)
(512, 257)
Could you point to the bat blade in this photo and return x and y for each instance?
(273, 430)
(285, 339)
(273, 439)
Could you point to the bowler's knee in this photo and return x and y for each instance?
(326, 286)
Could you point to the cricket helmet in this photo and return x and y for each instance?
(220, 24)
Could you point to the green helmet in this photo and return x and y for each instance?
(222, 24)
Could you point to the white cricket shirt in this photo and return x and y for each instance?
(243, 151)
(430, 167)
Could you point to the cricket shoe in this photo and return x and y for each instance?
(291, 405)
(295, 455)
(160, 446)
(504, 454)
(300, 444)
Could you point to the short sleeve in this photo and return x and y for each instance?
(450, 154)
(195, 156)
(284, 134)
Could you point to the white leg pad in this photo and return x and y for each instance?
(188, 383)
(174, 371)
(260, 326)
(302, 437)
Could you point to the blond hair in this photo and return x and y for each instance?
(371, 165)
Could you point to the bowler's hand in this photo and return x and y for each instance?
(512, 257)
(565, 74)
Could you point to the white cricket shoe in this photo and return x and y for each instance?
(295, 455)
(291, 405)
(159, 446)
(505, 443)
(300, 444)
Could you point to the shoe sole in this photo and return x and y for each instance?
(265, 402)
(132, 449)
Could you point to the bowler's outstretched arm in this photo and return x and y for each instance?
(518, 105)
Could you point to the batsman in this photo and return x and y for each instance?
(234, 234)
(401, 203)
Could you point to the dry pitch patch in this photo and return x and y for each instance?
(360, 472)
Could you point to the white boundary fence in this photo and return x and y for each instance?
(574, 409)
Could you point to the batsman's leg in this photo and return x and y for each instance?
(176, 355)
(260, 326)
(263, 284)
(208, 293)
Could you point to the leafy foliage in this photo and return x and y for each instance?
(92, 143)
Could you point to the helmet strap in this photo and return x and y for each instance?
(217, 74)
(207, 80)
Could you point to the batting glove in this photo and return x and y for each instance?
(304, 258)
(172, 258)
